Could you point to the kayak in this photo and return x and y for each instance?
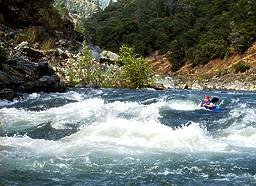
(216, 107)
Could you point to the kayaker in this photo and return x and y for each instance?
(207, 102)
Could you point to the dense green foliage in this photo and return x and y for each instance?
(136, 71)
(34, 13)
(84, 71)
(39, 21)
(195, 31)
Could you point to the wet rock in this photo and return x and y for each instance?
(44, 84)
(22, 75)
(167, 82)
(7, 94)
(185, 86)
(157, 86)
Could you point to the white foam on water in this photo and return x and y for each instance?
(182, 105)
(242, 132)
(245, 137)
(125, 125)
(115, 133)
(7, 102)
(72, 112)
(71, 95)
(34, 146)
(122, 136)
(85, 112)
(33, 96)
(15, 119)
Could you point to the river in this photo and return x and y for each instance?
(128, 137)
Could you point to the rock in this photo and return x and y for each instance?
(51, 53)
(21, 75)
(108, 55)
(2, 34)
(167, 82)
(34, 54)
(7, 94)
(157, 86)
(11, 81)
(185, 86)
(62, 42)
(44, 84)
(10, 35)
(64, 55)
(22, 45)
(36, 45)
(43, 69)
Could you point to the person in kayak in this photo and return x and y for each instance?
(207, 103)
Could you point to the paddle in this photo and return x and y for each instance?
(215, 100)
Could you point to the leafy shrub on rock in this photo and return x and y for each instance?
(241, 66)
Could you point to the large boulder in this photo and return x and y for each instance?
(108, 56)
(44, 84)
(22, 75)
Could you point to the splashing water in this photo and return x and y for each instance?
(122, 136)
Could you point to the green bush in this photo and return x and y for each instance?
(51, 20)
(134, 73)
(136, 70)
(241, 66)
(47, 44)
(84, 71)
(88, 69)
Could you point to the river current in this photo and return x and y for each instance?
(128, 137)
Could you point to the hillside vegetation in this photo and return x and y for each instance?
(37, 32)
(193, 31)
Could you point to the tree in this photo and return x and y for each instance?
(204, 30)
(172, 6)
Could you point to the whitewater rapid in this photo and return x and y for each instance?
(128, 137)
(126, 125)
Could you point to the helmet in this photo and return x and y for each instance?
(206, 97)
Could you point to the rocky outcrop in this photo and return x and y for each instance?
(27, 67)
(23, 76)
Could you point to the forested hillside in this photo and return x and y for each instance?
(194, 31)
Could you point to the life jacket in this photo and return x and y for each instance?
(207, 103)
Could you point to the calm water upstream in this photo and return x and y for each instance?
(128, 137)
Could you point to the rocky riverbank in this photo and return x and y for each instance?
(237, 72)
(27, 68)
